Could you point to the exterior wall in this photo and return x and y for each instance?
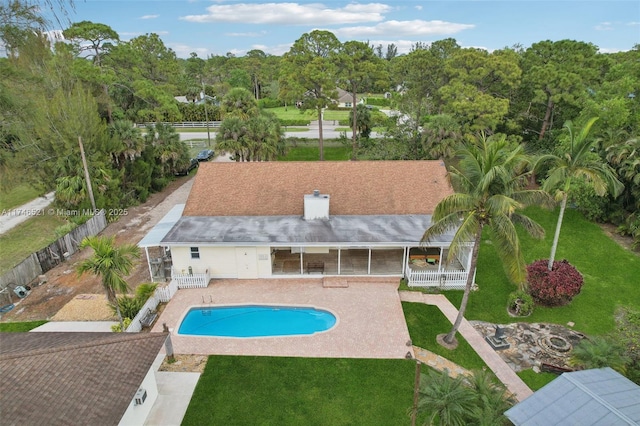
(137, 414)
(221, 262)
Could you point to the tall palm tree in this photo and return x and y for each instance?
(488, 184)
(492, 398)
(111, 264)
(578, 162)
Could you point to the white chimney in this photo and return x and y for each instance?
(316, 206)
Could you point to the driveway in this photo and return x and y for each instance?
(13, 217)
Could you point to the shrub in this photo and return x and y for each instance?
(129, 306)
(294, 121)
(378, 101)
(145, 290)
(556, 287)
(116, 327)
(270, 103)
(520, 303)
(599, 352)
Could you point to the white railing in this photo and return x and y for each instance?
(166, 292)
(149, 306)
(185, 124)
(448, 280)
(191, 280)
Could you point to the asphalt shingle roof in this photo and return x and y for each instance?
(355, 187)
(61, 378)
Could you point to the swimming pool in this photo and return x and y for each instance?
(255, 321)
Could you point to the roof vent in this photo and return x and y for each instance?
(316, 192)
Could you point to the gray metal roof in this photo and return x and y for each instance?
(590, 397)
(158, 232)
(294, 230)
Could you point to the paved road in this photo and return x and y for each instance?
(328, 132)
(10, 218)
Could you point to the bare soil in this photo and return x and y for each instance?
(63, 283)
(623, 240)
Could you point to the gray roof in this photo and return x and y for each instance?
(294, 230)
(589, 397)
(158, 232)
(62, 378)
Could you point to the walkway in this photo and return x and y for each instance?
(439, 363)
(13, 217)
(502, 371)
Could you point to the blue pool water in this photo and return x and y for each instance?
(255, 321)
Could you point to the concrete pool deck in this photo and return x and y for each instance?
(370, 322)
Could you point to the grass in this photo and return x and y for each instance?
(336, 115)
(536, 380)
(425, 322)
(610, 276)
(15, 327)
(17, 196)
(294, 391)
(312, 153)
(293, 113)
(26, 238)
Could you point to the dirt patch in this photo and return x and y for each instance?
(63, 283)
(185, 364)
(86, 307)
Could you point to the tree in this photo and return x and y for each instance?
(600, 352)
(576, 161)
(239, 102)
(488, 193)
(446, 400)
(95, 34)
(358, 66)
(309, 72)
(362, 125)
(112, 264)
(492, 399)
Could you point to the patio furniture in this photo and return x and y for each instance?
(149, 318)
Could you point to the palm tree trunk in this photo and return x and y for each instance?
(113, 298)
(355, 122)
(556, 236)
(449, 338)
(320, 140)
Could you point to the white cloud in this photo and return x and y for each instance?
(184, 51)
(416, 27)
(604, 26)
(149, 16)
(633, 23)
(291, 13)
(418, 7)
(610, 50)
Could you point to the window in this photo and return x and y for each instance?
(195, 253)
(348, 105)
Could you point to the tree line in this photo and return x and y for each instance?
(95, 85)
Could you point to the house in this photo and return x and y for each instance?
(344, 99)
(589, 397)
(196, 100)
(63, 378)
(308, 219)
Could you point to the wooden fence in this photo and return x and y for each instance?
(55, 253)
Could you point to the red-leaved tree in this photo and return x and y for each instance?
(553, 287)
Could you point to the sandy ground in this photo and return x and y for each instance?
(64, 285)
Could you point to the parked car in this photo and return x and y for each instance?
(193, 164)
(205, 155)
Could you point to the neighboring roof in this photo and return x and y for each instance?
(72, 378)
(158, 232)
(344, 96)
(589, 397)
(355, 187)
(294, 230)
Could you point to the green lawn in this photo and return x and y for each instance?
(336, 115)
(610, 273)
(249, 390)
(17, 196)
(312, 153)
(425, 322)
(293, 113)
(20, 326)
(536, 380)
(26, 238)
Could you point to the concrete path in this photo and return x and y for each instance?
(10, 218)
(439, 363)
(500, 368)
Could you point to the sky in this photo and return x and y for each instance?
(216, 27)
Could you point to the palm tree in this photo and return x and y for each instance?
(492, 398)
(599, 352)
(111, 264)
(579, 162)
(489, 192)
(446, 400)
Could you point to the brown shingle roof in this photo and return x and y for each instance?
(354, 187)
(72, 378)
